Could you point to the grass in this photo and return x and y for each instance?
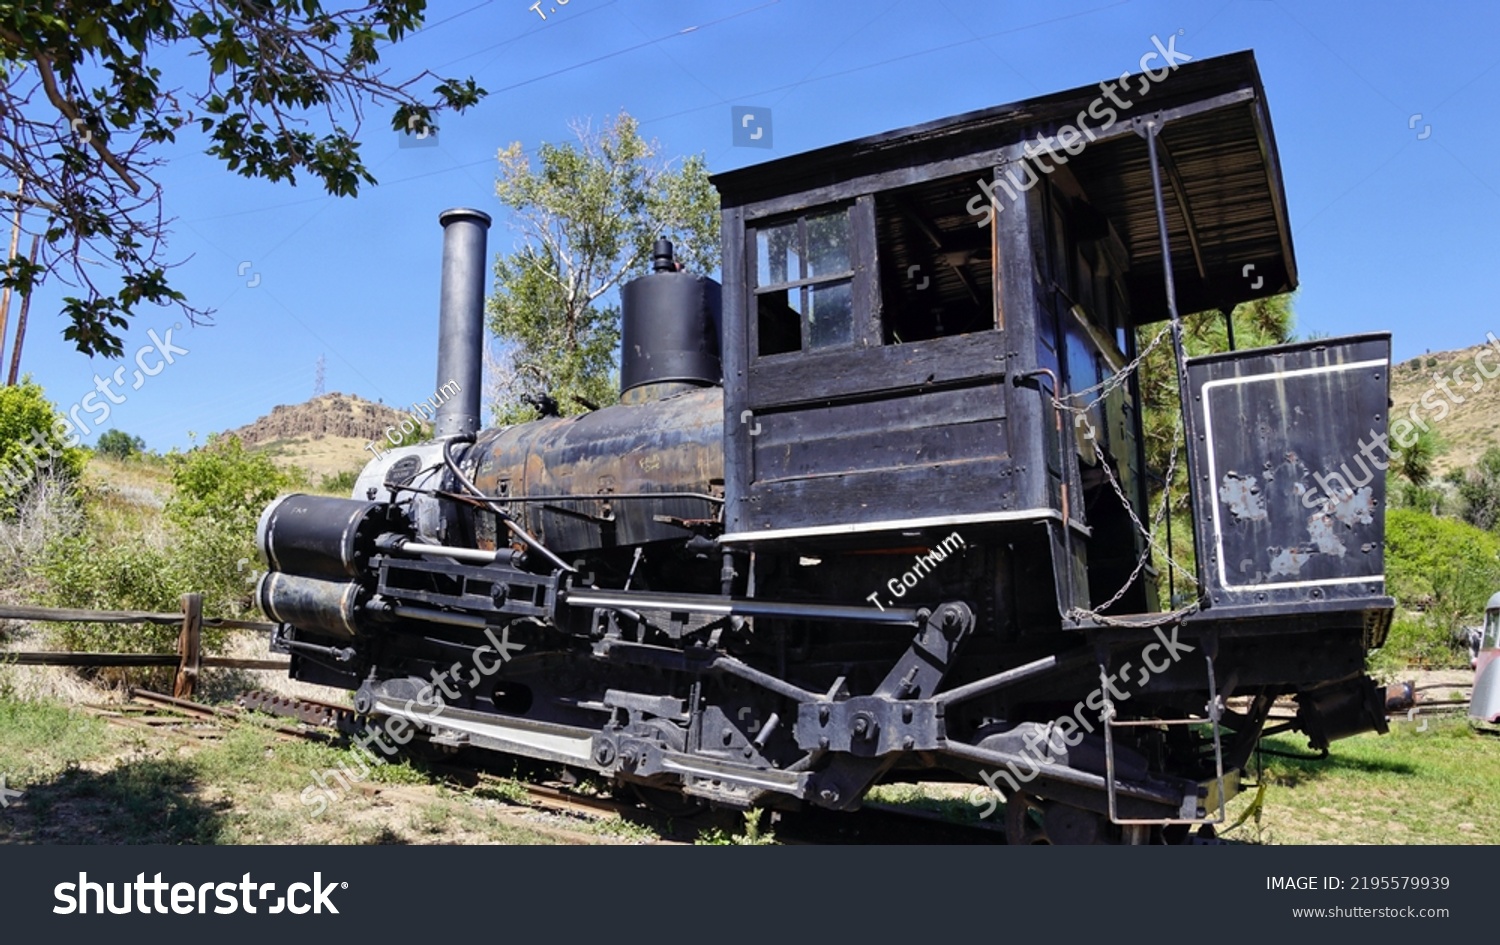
(953, 803)
(85, 781)
(752, 833)
(41, 740)
(1439, 786)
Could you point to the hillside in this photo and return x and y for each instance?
(326, 435)
(1466, 429)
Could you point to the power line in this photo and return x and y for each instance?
(883, 62)
(450, 19)
(650, 42)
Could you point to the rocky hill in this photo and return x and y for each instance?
(325, 435)
(1464, 412)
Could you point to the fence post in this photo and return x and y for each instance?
(189, 646)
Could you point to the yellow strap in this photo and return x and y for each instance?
(1254, 808)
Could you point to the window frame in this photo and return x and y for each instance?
(854, 277)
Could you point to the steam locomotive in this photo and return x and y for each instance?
(876, 508)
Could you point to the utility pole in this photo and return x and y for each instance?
(15, 238)
(15, 355)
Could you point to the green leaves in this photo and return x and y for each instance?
(119, 444)
(1479, 490)
(277, 87)
(223, 482)
(30, 443)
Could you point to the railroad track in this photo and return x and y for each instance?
(295, 718)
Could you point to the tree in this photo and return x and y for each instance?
(1263, 322)
(85, 111)
(587, 218)
(119, 444)
(1479, 490)
(1414, 464)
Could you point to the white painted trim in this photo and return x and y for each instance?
(546, 737)
(1213, 475)
(854, 528)
(605, 599)
(1251, 588)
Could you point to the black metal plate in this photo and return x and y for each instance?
(1290, 455)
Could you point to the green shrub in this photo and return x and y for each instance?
(1443, 570)
(1412, 642)
(339, 484)
(30, 444)
(84, 572)
(223, 482)
(207, 545)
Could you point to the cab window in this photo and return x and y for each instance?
(804, 283)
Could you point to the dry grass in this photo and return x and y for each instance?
(318, 455)
(1468, 428)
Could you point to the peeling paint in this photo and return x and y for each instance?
(1356, 508)
(1288, 561)
(1243, 497)
(1320, 530)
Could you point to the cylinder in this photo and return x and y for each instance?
(461, 320)
(319, 536)
(669, 327)
(326, 607)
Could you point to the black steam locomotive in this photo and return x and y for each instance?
(877, 508)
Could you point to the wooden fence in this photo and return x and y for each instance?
(188, 659)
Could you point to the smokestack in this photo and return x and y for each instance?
(461, 320)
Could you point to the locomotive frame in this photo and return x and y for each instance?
(875, 508)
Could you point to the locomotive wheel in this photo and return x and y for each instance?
(1030, 821)
(1025, 821)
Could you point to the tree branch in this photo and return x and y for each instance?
(70, 112)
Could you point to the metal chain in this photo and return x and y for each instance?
(1115, 380)
(1147, 533)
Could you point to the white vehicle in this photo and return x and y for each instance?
(1485, 703)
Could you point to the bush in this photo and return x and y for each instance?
(1479, 490)
(1445, 571)
(223, 482)
(339, 484)
(219, 491)
(131, 575)
(30, 444)
(208, 545)
(1412, 642)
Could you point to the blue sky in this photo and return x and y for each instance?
(1387, 147)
